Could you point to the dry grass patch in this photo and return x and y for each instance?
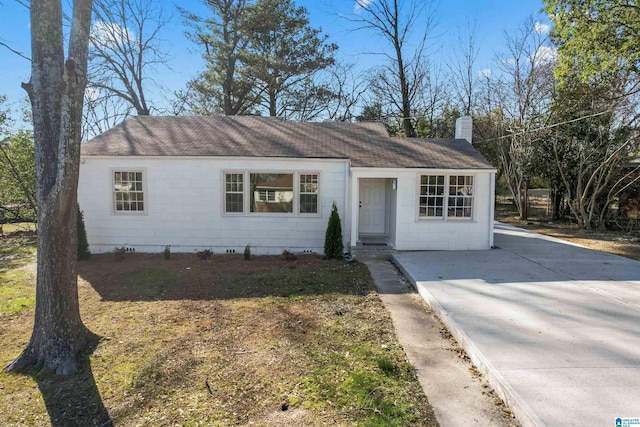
(626, 244)
(223, 342)
(623, 243)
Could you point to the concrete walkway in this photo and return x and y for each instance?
(555, 327)
(457, 396)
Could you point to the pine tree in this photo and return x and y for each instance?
(83, 243)
(333, 246)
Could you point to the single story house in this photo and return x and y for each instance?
(220, 183)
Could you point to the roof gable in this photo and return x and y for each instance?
(364, 144)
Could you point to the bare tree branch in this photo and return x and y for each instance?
(125, 48)
(17, 52)
(399, 82)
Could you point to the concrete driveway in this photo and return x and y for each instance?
(555, 327)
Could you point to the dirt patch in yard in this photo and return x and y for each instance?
(223, 277)
(222, 342)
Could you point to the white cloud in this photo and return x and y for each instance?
(361, 4)
(110, 35)
(485, 73)
(541, 28)
(545, 55)
(91, 93)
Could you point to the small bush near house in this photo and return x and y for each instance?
(205, 255)
(333, 246)
(83, 243)
(247, 252)
(167, 252)
(120, 252)
(289, 255)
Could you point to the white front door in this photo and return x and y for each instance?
(373, 208)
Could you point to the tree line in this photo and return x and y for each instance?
(557, 109)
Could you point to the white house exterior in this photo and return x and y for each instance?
(221, 183)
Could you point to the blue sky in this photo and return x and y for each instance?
(492, 19)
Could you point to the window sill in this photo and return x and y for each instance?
(270, 215)
(441, 219)
(120, 213)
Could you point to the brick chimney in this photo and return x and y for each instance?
(464, 126)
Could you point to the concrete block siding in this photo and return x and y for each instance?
(409, 232)
(184, 206)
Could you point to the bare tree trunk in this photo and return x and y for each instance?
(273, 103)
(56, 91)
(557, 204)
(409, 130)
(525, 200)
(394, 20)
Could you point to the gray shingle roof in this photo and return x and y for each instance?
(365, 144)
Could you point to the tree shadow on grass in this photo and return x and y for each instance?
(74, 400)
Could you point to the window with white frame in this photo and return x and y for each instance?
(460, 196)
(234, 192)
(271, 192)
(309, 193)
(128, 191)
(432, 196)
(446, 196)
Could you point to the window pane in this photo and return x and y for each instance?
(308, 203)
(309, 193)
(234, 202)
(233, 182)
(460, 196)
(309, 188)
(280, 190)
(431, 195)
(234, 196)
(128, 191)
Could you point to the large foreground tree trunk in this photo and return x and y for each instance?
(56, 92)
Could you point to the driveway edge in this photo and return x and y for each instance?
(516, 404)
